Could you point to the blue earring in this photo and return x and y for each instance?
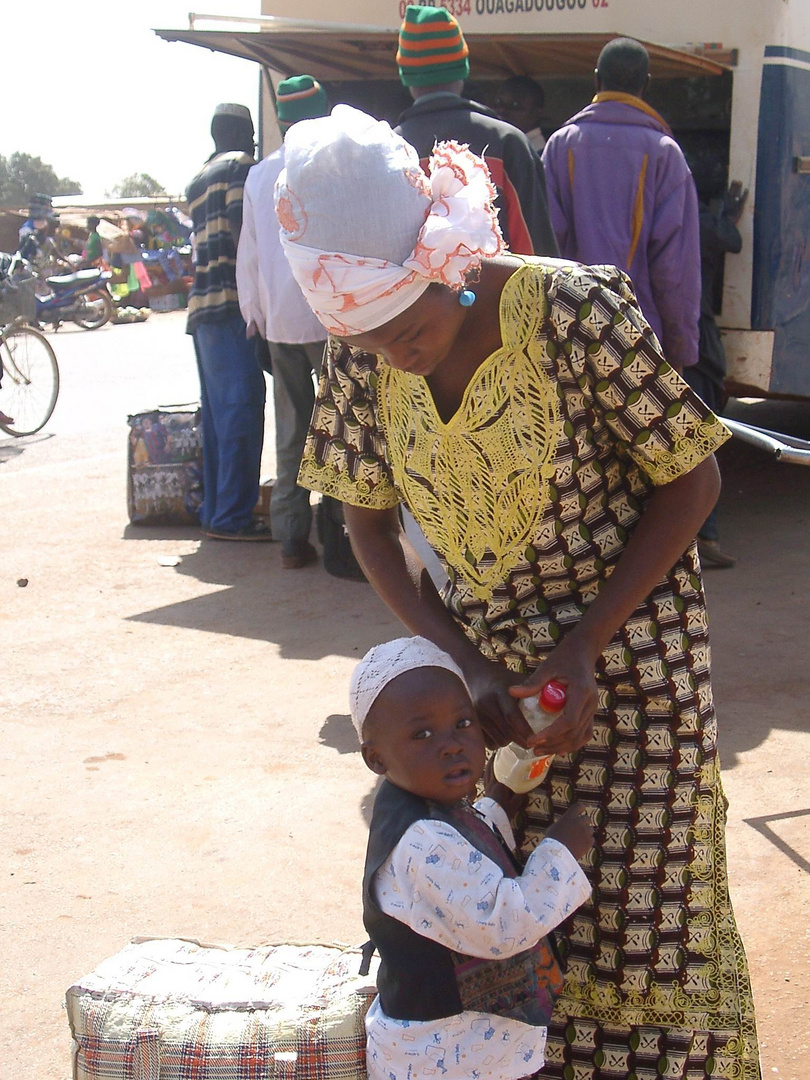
(467, 298)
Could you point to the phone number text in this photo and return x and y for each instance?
(459, 8)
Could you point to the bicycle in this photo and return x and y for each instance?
(29, 373)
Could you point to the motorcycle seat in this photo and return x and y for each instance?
(81, 277)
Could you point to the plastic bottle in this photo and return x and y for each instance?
(517, 767)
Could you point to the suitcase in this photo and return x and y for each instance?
(170, 1009)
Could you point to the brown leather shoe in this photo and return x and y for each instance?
(713, 557)
(300, 555)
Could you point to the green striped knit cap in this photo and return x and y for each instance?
(300, 98)
(432, 49)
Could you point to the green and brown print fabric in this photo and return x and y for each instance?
(529, 495)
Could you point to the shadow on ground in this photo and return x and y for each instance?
(764, 511)
(765, 826)
(14, 446)
(307, 613)
(338, 733)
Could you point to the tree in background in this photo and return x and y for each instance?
(23, 175)
(138, 186)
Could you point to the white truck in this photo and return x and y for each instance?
(732, 78)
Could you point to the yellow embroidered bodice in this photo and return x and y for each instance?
(479, 484)
(530, 491)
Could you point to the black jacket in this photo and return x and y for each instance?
(418, 978)
(516, 170)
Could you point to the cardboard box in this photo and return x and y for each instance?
(265, 495)
(123, 245)
(166, 302)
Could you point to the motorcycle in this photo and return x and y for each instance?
(81, 297)
(69, 295)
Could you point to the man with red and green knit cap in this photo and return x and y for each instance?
(433, 60)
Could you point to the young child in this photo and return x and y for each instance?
(467, 976)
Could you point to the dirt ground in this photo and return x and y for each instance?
(176, 757)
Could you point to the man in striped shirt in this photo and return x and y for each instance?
(231, 380)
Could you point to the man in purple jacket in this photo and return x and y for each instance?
(620, 192)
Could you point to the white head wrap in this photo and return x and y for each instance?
(366, 231)
(383, 663)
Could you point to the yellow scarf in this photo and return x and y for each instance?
(636, 102)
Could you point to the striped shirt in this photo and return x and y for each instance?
(214, 191)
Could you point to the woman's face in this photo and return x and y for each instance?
(419, 339)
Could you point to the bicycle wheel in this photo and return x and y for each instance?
(30, 380)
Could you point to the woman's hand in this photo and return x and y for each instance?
(575, 667)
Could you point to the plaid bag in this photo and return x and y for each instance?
(165, 1009)
(164, 473)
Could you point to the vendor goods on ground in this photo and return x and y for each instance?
(169, 1009)
(130, 314)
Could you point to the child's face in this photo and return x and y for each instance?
(424, 736)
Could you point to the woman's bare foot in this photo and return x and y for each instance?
(5, 419)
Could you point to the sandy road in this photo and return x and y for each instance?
(176, 756)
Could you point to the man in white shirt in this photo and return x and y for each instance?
(273, 305)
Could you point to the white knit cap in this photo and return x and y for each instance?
(382, 663)
(365, 230)
(230, 108)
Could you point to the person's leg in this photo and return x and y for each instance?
(711, 554)
(209, 437)
(294, 398)
(709, 530)
(235, 389)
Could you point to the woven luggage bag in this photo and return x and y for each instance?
(164, 466)
(175, 1009)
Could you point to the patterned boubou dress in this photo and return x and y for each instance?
(528, 495)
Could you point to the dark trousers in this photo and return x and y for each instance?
(294, 399)
(232, 391)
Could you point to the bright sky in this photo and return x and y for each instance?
(95, 93)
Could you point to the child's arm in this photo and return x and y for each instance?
(573, 828)
(509, 801)
(437, 883)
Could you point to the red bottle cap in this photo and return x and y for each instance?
(553, 696)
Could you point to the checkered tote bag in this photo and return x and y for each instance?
(165, 1009)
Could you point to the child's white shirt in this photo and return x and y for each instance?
(441, 886)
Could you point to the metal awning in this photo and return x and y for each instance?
(334, 52)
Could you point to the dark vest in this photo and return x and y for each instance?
(418, 978)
